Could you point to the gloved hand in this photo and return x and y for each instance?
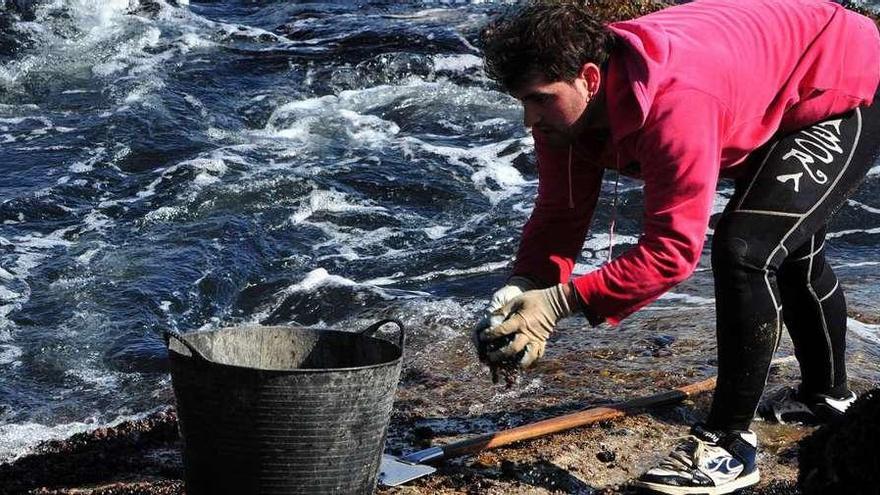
(515, 286)
(528, 321)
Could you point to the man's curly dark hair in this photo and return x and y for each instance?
(554, 38)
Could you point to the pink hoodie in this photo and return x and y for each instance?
(691, 91)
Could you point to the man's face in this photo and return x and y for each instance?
(555, 109)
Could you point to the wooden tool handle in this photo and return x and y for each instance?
(573, 420)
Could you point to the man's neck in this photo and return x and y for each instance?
(596, 114)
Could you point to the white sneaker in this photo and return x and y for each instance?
(790, 406)
(706, 463)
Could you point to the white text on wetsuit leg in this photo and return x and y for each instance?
(820, 142)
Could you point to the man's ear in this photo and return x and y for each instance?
(592, 76)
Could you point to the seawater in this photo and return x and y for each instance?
(192, 165)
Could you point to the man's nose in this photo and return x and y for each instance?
(530, 116)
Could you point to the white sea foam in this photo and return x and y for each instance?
(52, 240)
(688, 299)
(13, 120)
(368, 128)
(251, 32)
(863, 206)
(457, 63)
(8, 295)
(380, 281)
(163, 213)
(209, 170)
(317, 278)
(857, 264)
(842, 233)
(425, 14)
(87, 256)
(351, 117)
(314, 279)
(866, 331)
(344, 240)
(599, 241)
(110, 38)
(95, 221)
(595, 250)
(17, 440)
(454, 272)
(487, 168)
(437, 231)
(29, 252)
(93, 21)
(20, 439)
(189, 41)
(491, 122)
(315, 121)
(332, 201)
(96, 378)
(71, 283)
(719, 203)
(9, 354)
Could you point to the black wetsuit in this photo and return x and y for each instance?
(769, 264)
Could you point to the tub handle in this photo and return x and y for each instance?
(370, 330)
(174, 334)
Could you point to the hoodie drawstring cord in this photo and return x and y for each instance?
(570, 195)
(613, 204)
(614, 208)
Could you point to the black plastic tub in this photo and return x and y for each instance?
(283, 410)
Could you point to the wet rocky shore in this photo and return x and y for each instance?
(143, 457)
(446, 395)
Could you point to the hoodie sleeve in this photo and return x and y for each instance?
(679, 148)
(555, 232)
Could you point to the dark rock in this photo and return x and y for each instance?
(525, 164)
(606, 456)
(621, 432)
(100, 455)
(423, 432)
(509, 468)
(774, 488)
(663, 340)
(25, 8)
(841, 457)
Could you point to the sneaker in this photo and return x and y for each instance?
(706, 462)
(789, 406)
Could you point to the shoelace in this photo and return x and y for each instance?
(685, 454)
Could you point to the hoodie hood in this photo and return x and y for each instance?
(634, 70)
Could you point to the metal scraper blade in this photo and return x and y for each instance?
(393, 471)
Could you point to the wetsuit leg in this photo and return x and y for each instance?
(795, 185)
(814, 311)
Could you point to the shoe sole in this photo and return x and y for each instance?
(739, 483)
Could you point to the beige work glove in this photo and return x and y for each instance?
(527, 323)
(515, 286)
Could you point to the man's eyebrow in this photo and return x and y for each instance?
(535, 95)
